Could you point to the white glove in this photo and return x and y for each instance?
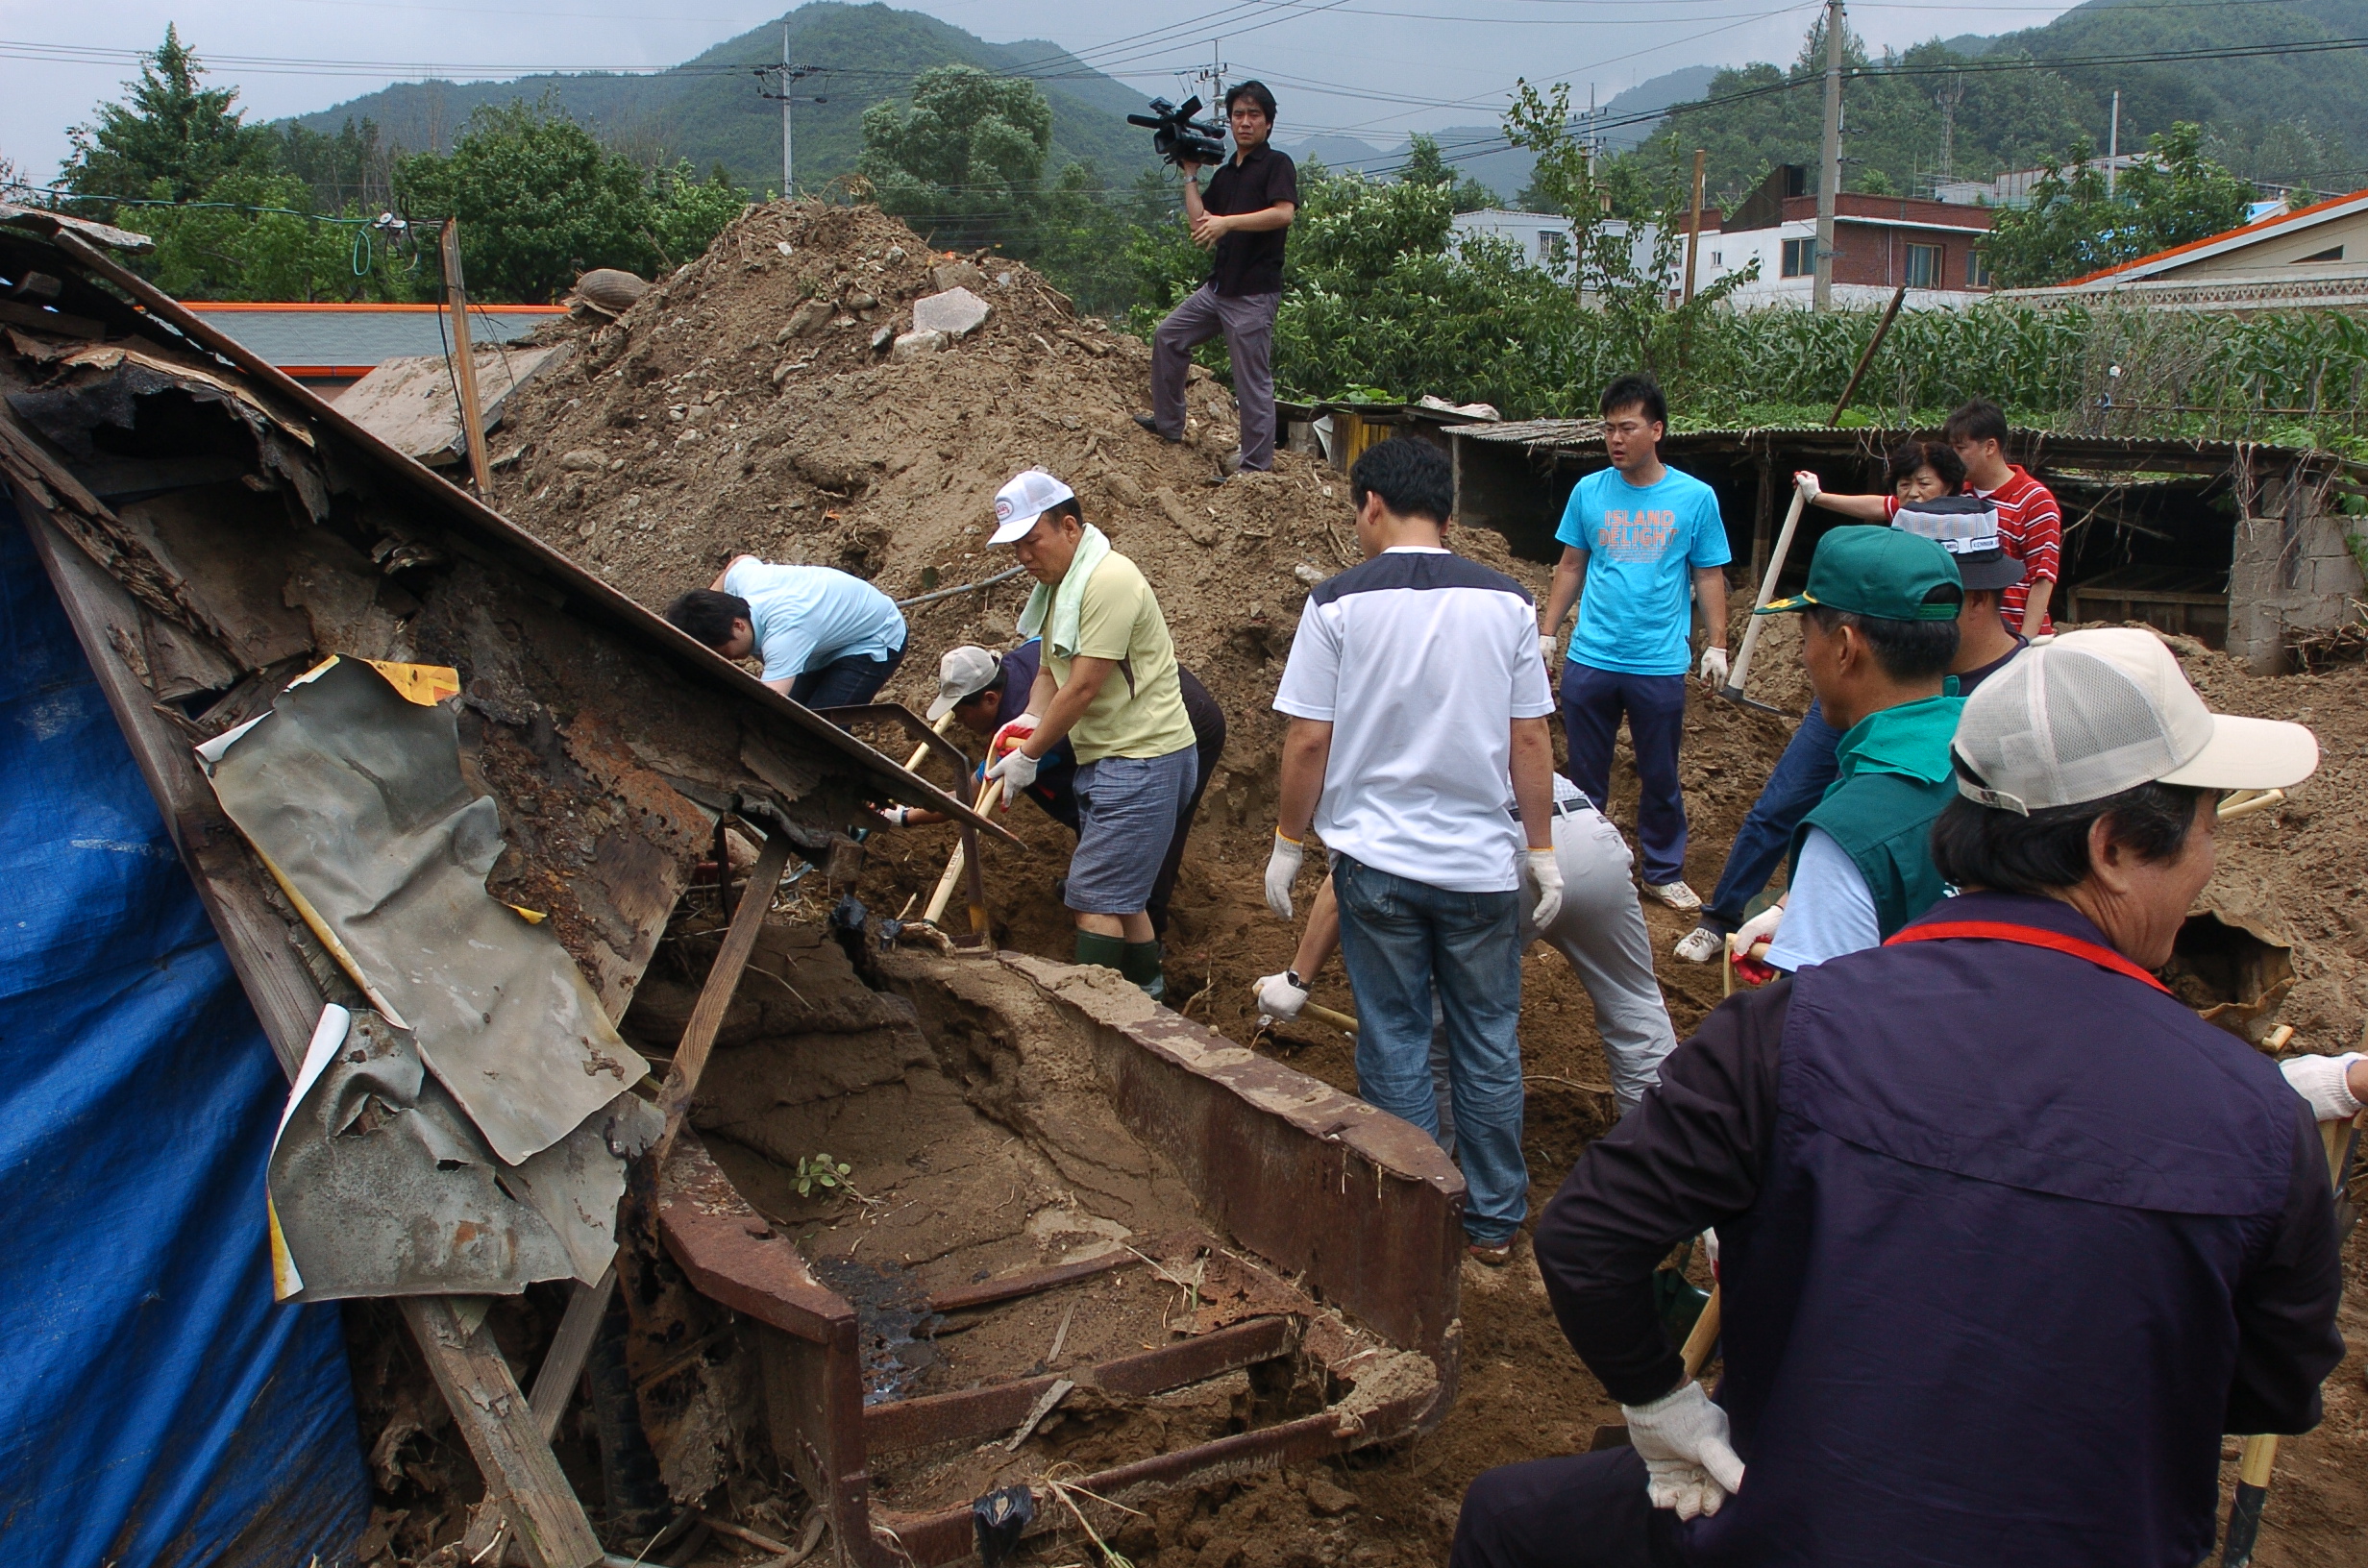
(1715, 666)
(1760, 928)
(1806, 484)
(1015, 731)
(1548, 873)
(1281, 867)
(1545, 645)
(1016, 771)
(898, 816)
(1682, 1439)
(2321, 1080)
(1281, 995)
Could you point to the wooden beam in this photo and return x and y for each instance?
(464, 360)
(715, 997)
(493, 1415)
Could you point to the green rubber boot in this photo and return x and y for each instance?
(1141, 964)
(1109, 952)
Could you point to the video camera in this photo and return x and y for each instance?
(1179, 138)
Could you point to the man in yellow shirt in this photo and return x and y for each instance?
(1108, 685)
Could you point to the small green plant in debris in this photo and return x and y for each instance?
(822, 1171)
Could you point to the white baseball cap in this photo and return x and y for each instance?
(1028, 495)
(2095, 713)
(962, 674)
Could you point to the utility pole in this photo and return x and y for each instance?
(788, 76)
(464, 361)
(2112, 146)
(1693, 224)
(1828, 181)
(1213, 77)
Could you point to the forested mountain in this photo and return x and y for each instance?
(708, 110)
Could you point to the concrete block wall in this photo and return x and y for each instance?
(2291, 575)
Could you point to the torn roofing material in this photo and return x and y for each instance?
(380, 1185)
(354, 796)
(470, 527)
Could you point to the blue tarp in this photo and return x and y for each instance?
(155, 1406)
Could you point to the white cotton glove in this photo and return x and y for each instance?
(1012, 733)
(1548, 873)
(898, 816)
(1281, 867)
(1760, 928)
(1682, 1439)
(1713, 670)
(1016, 771)
(1546, 647)
(2321, 1080)
(1806, 484)
(1281, 995)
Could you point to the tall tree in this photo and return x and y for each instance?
(2076, 225)
(1424, 165)
(538, 200)
(964, 162)
(169, 139)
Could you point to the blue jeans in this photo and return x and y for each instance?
(1398, 938)
(844, 682)
(1592, 702)
(1802, 776)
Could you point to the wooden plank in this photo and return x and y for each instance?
(464, 358)
(715, 997)
(509, 1451)
(493, 1416)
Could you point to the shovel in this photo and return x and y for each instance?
(1733, 690)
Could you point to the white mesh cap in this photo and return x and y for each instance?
(1027, 496)
(2095, 713)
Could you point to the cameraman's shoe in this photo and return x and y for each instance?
(1151, 424)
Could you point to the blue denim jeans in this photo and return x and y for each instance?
(844, 682)
(1592, 702)
(1399, 938)
(1792, 790)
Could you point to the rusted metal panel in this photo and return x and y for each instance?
(1360, 1205)
(975, 1412)
(1012, 1286)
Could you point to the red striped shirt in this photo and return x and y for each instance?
(2030, 525)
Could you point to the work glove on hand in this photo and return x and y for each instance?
(1548, 873)
(1760, 928)
(1281, 867)
(1682, 1439)
(1009, 737)
(1714, 668)
(1016, 771)
(1546, 648)
(1807, 482)
(1281, 995)
(898, 816)
(2322, 1080)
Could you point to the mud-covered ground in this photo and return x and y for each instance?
(729, 413)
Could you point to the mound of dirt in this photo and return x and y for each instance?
(755, 402)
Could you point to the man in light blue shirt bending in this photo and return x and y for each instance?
(1646, 544)
(830, 640)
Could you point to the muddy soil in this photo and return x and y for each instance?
(817, 448)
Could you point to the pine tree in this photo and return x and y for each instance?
(170, 139)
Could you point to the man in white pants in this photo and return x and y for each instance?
(1599, 930)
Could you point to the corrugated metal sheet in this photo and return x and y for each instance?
(362, 335)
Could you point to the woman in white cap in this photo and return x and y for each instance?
(2009, 1237)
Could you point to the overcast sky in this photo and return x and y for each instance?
(1399, 64)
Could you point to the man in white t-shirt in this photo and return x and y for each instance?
(830, 640)
(1416, 693)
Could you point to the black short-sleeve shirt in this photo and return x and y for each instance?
(1250, 263)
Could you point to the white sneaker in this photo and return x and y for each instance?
(1676, 895)
(1699, 945)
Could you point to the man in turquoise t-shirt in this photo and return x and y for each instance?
(1647, 544)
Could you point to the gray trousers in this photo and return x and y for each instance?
(1247, 323)
(1601, 932)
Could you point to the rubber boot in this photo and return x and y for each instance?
(1141, 964)
(1109, 952)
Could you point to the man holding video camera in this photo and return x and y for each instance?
(1240, 219)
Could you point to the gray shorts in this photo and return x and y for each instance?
(1128, 810)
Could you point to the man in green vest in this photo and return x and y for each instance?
(1879, 628)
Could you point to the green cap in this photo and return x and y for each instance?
(1885, 573)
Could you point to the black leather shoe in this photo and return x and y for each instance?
(1152, 424)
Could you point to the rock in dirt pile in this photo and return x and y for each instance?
(779, 397)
